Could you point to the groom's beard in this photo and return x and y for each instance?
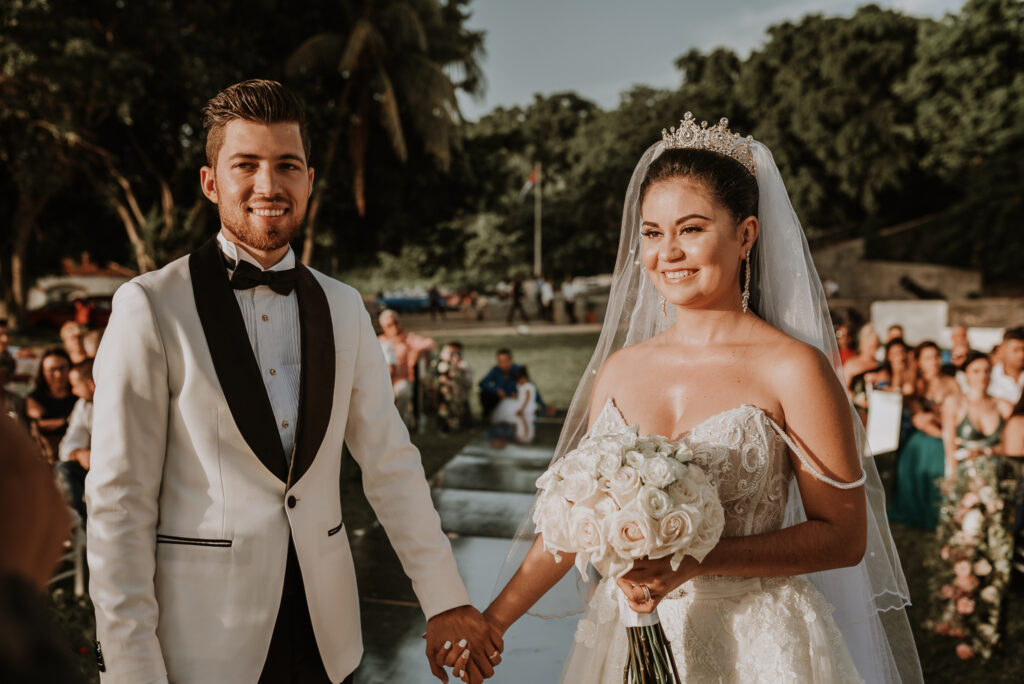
(253, 232)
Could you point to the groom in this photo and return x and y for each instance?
(227, 384)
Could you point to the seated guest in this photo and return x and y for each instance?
(954, 357)
(514, 416)
(894, 332)
(896, 372)
(453, 379)
(76, 447)
(845, 341)
(409, 348)
(51, 402)
(922, 458)
(500, 383)
(1008, 375)
(71, 336)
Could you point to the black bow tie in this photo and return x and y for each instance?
(247, 276)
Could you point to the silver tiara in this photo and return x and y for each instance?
(718, 139)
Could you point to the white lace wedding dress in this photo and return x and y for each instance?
(727, 629)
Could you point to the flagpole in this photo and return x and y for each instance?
(536, 223)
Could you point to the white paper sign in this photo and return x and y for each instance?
(885, 414)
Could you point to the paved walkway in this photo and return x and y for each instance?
(481, 496)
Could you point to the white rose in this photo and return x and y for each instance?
(685, 490)
(647, 447)
(630, 533)
(972, 523)
(683, 454)
(660, 471)
(634, 459)
(676, 530)
(565, 465)
(990, 594)
(442, 367)
(654, 502)
(709, 531)
(552, 519)
(548, 480)
(588, 459)
(602, 503)
(624, 485)
(610, 463)
(982, 568)
(586, 533)
(578, 486)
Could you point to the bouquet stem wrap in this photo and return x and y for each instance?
(650, 653)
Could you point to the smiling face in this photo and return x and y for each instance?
(691, 246)
(261, 183)
(929, 362)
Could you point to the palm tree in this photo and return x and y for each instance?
(395, 67)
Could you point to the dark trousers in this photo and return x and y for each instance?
(293, 656)
(570, 311)
(517, 305)
(488, 400)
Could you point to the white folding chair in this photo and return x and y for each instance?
(72, 563)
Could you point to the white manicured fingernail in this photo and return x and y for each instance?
(447, 645)
(462, 644)
(465, 654)
(460, 673)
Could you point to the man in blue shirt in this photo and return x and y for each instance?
(500, 382)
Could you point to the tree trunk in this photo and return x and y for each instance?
(142, 258)
(316, 200)
(26, 211)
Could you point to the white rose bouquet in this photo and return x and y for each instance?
(619, 497)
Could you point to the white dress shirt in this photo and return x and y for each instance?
(272, 323)
(1003, 386)
(79, 434)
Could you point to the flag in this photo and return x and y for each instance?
(530, 182)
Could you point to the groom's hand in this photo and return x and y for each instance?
(447, 630)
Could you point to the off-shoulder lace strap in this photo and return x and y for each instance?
(807, 464)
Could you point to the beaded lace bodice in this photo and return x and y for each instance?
(744, 458)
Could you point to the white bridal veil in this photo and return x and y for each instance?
(870, 597)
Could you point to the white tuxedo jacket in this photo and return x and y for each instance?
(191, 502)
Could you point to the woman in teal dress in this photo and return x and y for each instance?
(922, 459)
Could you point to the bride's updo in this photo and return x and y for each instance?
(729, 183)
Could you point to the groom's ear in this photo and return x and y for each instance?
(208, 182)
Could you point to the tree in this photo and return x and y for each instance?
(388, 65)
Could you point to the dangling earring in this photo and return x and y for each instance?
(746, 286)
(663, 312)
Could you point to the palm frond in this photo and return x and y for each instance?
(319, 53)
(390, 119)
(363, 40)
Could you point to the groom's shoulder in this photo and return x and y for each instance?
(173, 275)
(335, 289)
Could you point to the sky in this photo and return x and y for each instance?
(599, 48)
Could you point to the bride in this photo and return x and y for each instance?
(717, 336)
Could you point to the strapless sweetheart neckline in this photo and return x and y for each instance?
(610, 403)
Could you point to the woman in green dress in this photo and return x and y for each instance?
(922, 460)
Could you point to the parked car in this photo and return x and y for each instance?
(62, 306)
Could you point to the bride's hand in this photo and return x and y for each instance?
(658, 577)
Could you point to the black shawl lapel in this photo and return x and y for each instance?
(316, 386)
(233, 358)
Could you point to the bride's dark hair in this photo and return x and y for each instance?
(729, 183)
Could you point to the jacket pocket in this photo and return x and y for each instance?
(192, 541)
(334, 530)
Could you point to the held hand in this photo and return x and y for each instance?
(658, 577)
(462, 638)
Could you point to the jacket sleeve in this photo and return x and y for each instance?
(394, 481)
(122, 490)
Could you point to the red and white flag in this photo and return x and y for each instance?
(533, 180)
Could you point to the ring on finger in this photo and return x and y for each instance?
(647, 593)
(493, 655)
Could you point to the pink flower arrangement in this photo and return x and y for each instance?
(966, 583)
(944, 553)
(942, 628)
(962, 568)
(947, 592)
(970, 500)
(964, 605)
(964, 651)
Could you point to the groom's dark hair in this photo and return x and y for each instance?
(255, 100)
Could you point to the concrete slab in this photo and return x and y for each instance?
(480, 513)
(484, 473)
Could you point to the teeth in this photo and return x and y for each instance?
(268, 212)
(676, 275)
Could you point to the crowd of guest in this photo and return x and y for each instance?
(57, 408)
(960, 449)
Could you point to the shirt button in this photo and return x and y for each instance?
(291, 502)
(284, 423)
(266, 318)
(273, 372)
